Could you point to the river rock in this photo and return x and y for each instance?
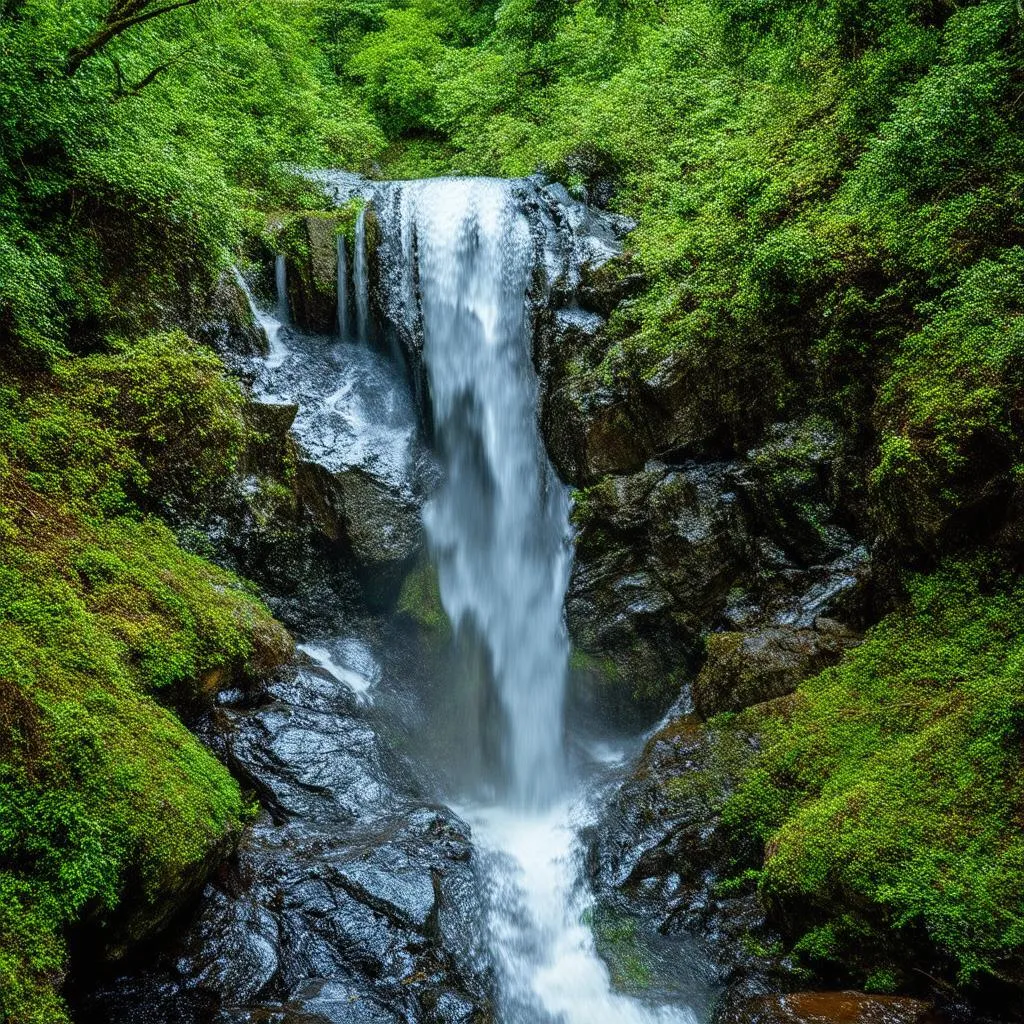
(352, 899)
(742, 669)
(829, 1008)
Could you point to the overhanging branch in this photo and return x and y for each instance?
(121, 17)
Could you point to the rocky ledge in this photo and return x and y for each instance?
(352, 899)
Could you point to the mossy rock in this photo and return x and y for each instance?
(420, 601)
(310, 246)
(742, 669)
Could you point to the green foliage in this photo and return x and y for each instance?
(110, 810)
(890, 798)
(123, 184)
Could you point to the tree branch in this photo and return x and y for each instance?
(121, 17)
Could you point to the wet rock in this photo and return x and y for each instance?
(352, 899)
(374, 520)
(829, 1008)
(660, 850)
(271, 423)
(592, 430)
(792, 486)
(742, 669)
(226, 322)
(657, 554)
(310, 244)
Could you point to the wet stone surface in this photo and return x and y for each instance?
(352, 899)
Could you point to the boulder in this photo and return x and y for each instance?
(742, 669)
(226, 322)
(352, 899)
(657, 554)
(659, 851)
(829, 1008)
(373, 520)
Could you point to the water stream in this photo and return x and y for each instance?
(498, 532)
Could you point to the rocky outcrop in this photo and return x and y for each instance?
(352, 900)
(226, 323)
(661, 853)
(829, 1008)
(657, 555)
(310, 245)
(742, 669)
(750, 547)
(378, 524)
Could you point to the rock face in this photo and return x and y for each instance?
(660, 850)
(657, 553)
(310, 244)
(743, 669)
(227, 323)
(352, 900)
(378, 524)
(672, 552)
(829, 1008)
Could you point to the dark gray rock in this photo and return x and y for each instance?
(378, 523)
(310, 244)
(657, 555)
(226, 322)
(660, 851)
(352, 899)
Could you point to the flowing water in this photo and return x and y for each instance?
(466, 252)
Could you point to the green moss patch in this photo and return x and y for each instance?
(890, 801)
(111, 812)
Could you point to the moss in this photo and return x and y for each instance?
(420, 600)
(111, 812)
(890, 801)
(621, 947)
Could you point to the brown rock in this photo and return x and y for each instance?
(743, 669)
(830, 1008)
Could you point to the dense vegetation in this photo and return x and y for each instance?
(134, 149)
(828, 198)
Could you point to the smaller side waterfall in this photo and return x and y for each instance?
(281, 285)
(361, 279)
(343, 315)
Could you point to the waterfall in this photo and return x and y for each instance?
(361, 279)
(498, 526)
(459, 263)
(343, 317)
(281, 287)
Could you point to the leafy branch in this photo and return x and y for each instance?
(123, 15)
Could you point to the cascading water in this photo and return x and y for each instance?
(465, 253)
(498, 526)
(361, 278)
